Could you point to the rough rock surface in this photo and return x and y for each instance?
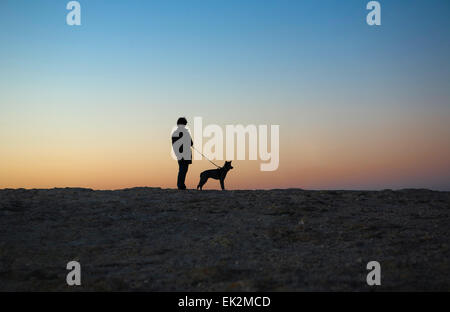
(153, 239)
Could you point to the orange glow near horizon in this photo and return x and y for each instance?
(326, 161)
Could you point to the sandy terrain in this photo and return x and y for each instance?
(155, 239)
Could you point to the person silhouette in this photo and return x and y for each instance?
(181, 144)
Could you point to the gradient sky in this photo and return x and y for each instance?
(359, 107)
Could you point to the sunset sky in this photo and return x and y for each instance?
(359, 107)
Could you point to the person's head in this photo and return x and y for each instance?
(181, 121)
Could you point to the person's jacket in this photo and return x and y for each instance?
(178, 134)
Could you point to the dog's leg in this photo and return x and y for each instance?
(202, 182)
(222, 184)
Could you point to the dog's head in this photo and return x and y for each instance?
(227, 165)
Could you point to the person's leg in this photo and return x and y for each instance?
(183, 168)
(180, 174)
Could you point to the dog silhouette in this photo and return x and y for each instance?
(217, 174)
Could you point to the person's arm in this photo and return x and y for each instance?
(176, 136)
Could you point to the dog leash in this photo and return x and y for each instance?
(206, 157)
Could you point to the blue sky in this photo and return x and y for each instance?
(231, 44)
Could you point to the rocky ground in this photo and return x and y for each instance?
(152, 239)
